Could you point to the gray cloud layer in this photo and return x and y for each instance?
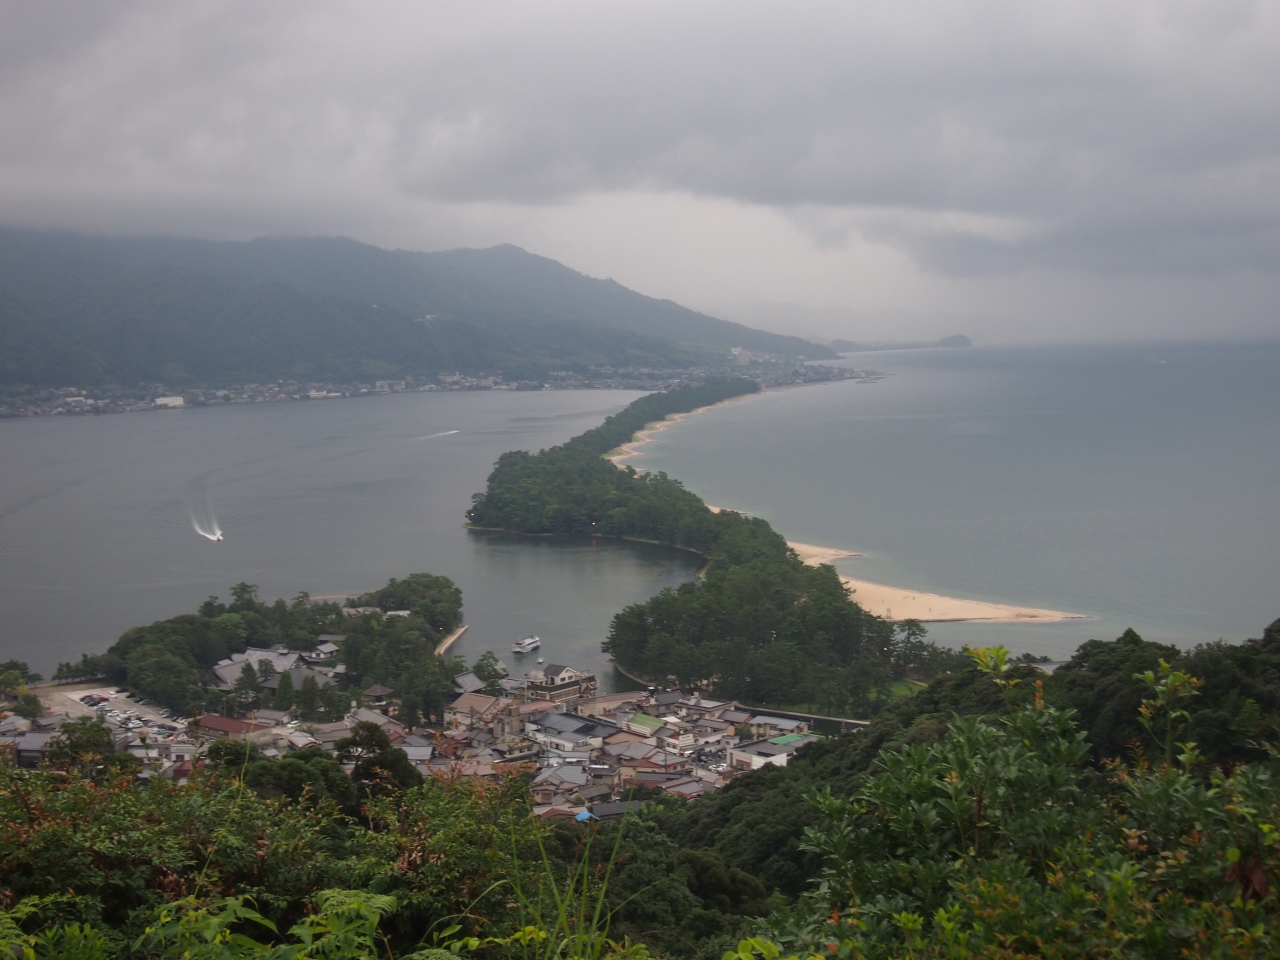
(980, 136)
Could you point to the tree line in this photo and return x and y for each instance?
(759, 625)
(171, 661)
(986, 816)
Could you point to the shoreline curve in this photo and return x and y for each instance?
(645, 434)
(880, 599)
(900, 603)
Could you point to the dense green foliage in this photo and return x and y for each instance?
(112, 854)
(570, 489)
(93, 310)
(14, 674)
(434, 600)
(1001, 840)
(758, 822)
(170, 661)
(308, 775)
(770, 632)
(14, 677)
(86, 846)
(968, 820)
(1239, 703)
(622, 426)
(760, 625)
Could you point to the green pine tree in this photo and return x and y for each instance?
(284, 691)
(309, 698)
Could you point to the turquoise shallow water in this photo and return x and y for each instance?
(1137, 484)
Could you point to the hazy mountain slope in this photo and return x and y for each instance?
(502, 284)
(76, 308)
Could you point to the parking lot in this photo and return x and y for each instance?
(113, 705)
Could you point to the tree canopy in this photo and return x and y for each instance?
(759, 625)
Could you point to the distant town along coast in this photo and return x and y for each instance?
(98, 400)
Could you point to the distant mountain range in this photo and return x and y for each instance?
(85, 310)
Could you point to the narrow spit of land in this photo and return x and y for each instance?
(883, 600)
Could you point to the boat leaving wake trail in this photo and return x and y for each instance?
(443, 433)
(206, 526)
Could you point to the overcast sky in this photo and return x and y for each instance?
(1015, 170)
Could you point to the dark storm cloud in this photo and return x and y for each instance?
(981, 136)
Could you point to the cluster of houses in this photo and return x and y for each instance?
(170, 752)
(269, 663)
(586, 752)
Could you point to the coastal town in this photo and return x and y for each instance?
(586, 754)
(768, 371)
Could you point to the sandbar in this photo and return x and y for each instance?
(900, 603)
(814, 555)
(882, 600)
(641, 437)
(897, 603)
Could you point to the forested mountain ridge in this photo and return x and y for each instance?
(102, 310)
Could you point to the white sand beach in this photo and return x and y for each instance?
(892, 603)
(896, 603)
(813, 554)
(628, 450)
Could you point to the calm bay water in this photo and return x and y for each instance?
(1137, 484)
(327, 497)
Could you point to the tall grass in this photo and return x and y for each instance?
(564, 919)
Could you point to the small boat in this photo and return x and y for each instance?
(541, 660)
(526, 645)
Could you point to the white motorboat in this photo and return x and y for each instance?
(526, 645)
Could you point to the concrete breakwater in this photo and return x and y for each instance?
(443, 647)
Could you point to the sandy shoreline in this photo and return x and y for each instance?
(891, 603)
(898, 603)
(645, 435)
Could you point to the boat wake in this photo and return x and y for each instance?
(205, 523)
(212, 531)
(443, 433)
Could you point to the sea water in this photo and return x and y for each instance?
(330, 497)
(1137, 484)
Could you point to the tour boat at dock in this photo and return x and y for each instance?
(526, 645)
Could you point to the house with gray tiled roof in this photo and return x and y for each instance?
(280, 658)
(564, 731)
